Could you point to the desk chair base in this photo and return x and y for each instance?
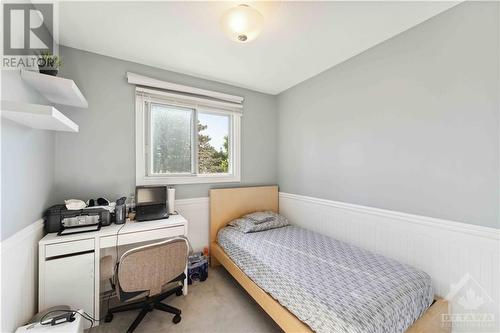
(148, 305)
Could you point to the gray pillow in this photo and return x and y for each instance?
(246, 225)
(260, 217)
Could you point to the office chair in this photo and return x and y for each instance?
(150, 273)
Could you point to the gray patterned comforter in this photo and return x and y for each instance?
(328, 284)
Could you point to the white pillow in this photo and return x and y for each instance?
(247, 225)
(261, 217)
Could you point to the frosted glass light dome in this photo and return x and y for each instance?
(242, 23)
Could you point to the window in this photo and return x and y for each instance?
(180, 142)
(213, 143)
(171, 140)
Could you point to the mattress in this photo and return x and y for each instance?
(330, 285)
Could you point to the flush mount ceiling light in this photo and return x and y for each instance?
(242, 23)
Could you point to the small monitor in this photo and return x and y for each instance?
(150, 195)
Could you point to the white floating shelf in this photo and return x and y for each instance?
(58, 90)
(37, 116)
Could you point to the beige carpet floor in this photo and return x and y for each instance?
(217, 305)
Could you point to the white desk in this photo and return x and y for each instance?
(69, 265)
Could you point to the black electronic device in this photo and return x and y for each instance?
(151, 203)
(61, 220)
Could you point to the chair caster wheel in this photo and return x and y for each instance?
(109, 317)
(176, 319)
(178, 292)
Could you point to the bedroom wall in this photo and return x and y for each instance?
(411, 125)
(100, 159)
(26, 190)
(27, 162)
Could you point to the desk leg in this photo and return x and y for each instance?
(41, 278)
(97, 280)
(185, 289)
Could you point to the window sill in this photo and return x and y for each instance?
(187, 180)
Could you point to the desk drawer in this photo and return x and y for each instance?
(141, 236)
(61, 249)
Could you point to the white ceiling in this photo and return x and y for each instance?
(299, 40)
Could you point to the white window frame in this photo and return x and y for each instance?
(142, 138)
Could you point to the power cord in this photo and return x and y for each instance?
(84, 315)
(116, 244)
(113, 285)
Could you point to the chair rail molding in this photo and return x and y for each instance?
(448, 251)
(410, 218)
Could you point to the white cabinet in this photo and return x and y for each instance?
(69, 280)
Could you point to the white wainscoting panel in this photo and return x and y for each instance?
(19, 255)
(446, 250)
(196, 211)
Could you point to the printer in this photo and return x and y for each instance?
(65, 221)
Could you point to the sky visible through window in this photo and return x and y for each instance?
(217, 128)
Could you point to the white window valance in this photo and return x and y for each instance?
(185, 95)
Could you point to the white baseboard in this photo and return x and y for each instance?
(19, 290)
(446, 250)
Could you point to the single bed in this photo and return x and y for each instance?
(309, 282)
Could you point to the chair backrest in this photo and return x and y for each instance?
(149, 267)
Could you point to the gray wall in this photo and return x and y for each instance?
(100, 159)
(410, 125)
(27, 162)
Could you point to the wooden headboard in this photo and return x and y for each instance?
(226, 204)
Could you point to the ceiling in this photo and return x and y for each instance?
(299, 39)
